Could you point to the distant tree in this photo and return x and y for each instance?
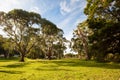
(51, 34)
(70, 55)
(59, 49)
(77, 46)
(21, 27)
(2, 51)
(36, 53)
(8, 47)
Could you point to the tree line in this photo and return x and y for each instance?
(30, 35)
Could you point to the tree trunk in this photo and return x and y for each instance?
(59, 55)
(79, 55)
(5, 55)
(86, 51)
(22, 56)
(49, 54)
(85, 44)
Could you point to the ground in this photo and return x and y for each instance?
(65, 69)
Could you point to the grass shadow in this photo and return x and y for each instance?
(51, 69)
(16, 65)
(79, 63)
(11, 72)
(9, 59)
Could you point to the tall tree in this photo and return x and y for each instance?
(104, 20)
(59, 48)
(80, 39)
(51, 34)
(21, 27)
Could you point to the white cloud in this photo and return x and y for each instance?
(71, 9)
(74, 1)
(64, 7)
(68, 7)
(8, 5)
(35, 9)
(28, 5)
(67, 20)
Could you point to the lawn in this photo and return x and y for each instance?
(65, 69)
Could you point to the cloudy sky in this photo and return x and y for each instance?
(66, 14)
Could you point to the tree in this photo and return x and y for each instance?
(22, 27)
(104, 20)
(80, 39)
(36, 53)
(2, 51)
(51, 34)
(76, 45)
(8, 47)
(59, 48)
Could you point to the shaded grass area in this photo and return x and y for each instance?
(65, 69)
(76, 63)
(11, 72)
(8, 59)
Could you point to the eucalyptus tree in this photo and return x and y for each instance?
(1, 46)
(77, 46)
(21, 27)
(104, 20)
(8, 47)
(59, 47)
(51, 34)
(80, 40)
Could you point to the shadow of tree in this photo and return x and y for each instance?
(9, 59)
(71, 63)
(11, 72)
(16, 65)
(52, 69)
(79, 63)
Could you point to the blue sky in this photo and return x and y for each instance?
(66, 14)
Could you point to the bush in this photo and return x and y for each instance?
(116, 57)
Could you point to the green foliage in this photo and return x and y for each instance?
(79, 42)
(19, 26)
(30, 33)
(6, 47)
(52, 36)
(36, 53)
(104, 21)
(49, 28)
(70, 55)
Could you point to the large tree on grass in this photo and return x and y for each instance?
(51, 35)
(21, 27)
(104, 20)
(80, 40)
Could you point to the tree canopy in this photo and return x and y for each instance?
(104, 20)
(28, 29)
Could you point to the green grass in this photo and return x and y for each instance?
(66, 69)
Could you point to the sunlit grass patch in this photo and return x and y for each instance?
(65, 69)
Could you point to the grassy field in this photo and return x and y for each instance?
(66, 69)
